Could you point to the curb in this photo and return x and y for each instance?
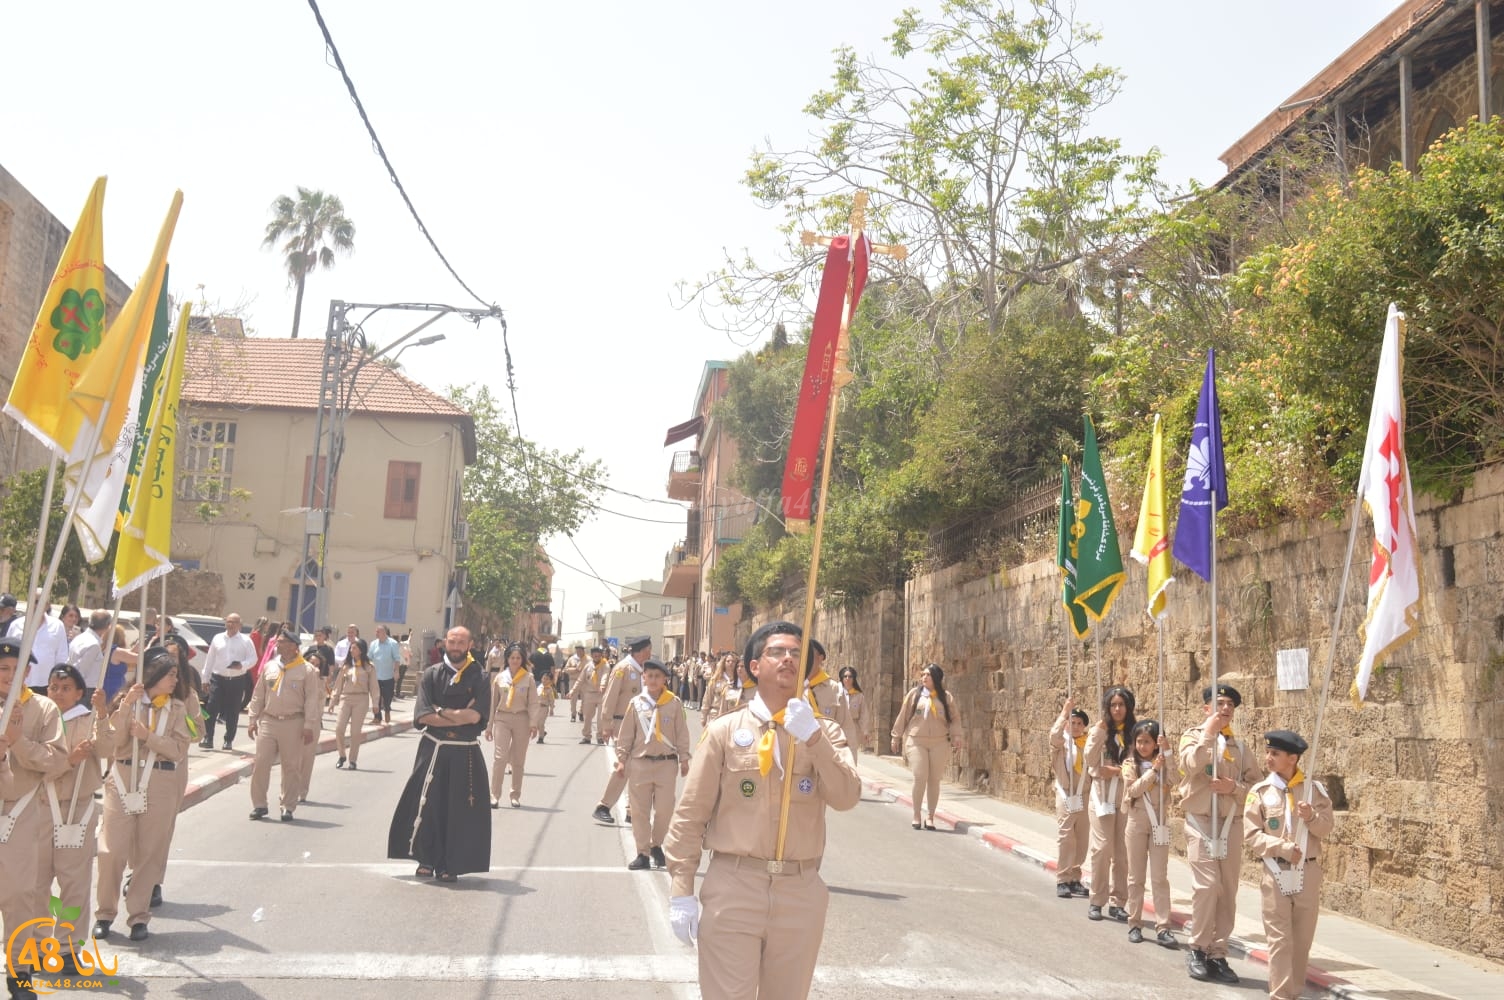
(1315, 976)
(206, 785)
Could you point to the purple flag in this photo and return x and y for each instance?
(1205, 480)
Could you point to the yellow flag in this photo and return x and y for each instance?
(144, 552)
(104, 395)
(1150, 545)
(67, 335)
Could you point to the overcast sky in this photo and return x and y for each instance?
(573, 161)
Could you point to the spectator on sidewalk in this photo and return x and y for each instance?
(386, 658)
(122, 661)
(227, 670)
(928, 725)
(86, 652)
(1068, 763)
(342, 648)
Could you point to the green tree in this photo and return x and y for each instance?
(308, 231)
(20, 512)
(516, 495)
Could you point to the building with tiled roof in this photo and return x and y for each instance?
(250, 407)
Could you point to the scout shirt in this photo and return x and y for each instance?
(828, 697)
(922, 718)
(171, 745)
(40, 751)
(515, 695)
(355, 680)
(653, 730)
(1270, 829)
(1142, 786)
(623, 684)
(293, 691)
(1197, 750)
(80, 723)
(729, 806)
(1107, 777)
(1063, 756)
(593, 677)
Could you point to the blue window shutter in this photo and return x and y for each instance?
(391, 597)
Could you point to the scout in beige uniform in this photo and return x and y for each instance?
(764, 902)
(1107, 746)
(31, 747)
(148, 738)
(716, 686)
(514, 699)
(1214, 762)
(588, 691)
(1148, 775)
(286, 715)
(187, 691)
(355, 691)
(927, 726)
(1072, 782)
(547, 695)
(740, 688)
(823, 691)
(1286, 818)
(858, 727)
(68, 853)
(652, 750)
(624, 685)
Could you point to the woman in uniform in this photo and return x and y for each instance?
(858, 726)
(1108, 745)
(68, 854)
(188, 690)
(927, 726)
(514, 699)
(716, 686)
(355, 691)
(148, 738)
(1149, 774)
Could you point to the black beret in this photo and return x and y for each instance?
(597, 649)
(638, 645)
(1223, 691)
(1286, 740)
(12, 647)
(651, 664)
(7, 600)
(286, 636)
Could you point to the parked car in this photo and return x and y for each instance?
(207, 626)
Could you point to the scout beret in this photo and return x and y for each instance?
(286, 636)
(1223, 691)
(652, 664)
(597, 649)
(7, 600)
(1286, 740)
(1079, 714)
(639, 645)
(12, 647)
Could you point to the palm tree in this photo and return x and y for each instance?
(309, 230)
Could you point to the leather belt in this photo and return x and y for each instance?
(617, 718)
(228, 673)
(284, 718)
(662, 756)
(766, 866)
(161, 765)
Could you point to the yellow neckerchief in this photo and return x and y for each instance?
(663, 699)
(934, 701)
(157, 704)
(1080, 751)
(766, 743)
(1227, 735)
(512, 685)
(460, 671)
(810, 685)
(25, 695)
(749, 685)
(281, 673)
(1290, 797)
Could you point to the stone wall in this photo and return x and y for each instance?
(1417, 774)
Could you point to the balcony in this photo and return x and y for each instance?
(684, 476)
(681, 571)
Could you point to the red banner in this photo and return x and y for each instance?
(819, 369)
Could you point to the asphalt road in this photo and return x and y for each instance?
(314, 909)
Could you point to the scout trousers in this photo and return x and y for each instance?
(279, 740)
(141, 841)
(1070, 841)
(590, 710)
(928, 759)
(650, 799)
(1147, 862)
(1107, 855)
(21, 895)
(72, 867)
(760, 933)
(1214, 884)
(1290, 925)
(353, 709)
(509, 733)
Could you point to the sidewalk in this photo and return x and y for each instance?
(212, 771)
(1350, 959)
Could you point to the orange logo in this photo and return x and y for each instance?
(28, 955)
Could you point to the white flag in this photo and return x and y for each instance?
(1384, 485)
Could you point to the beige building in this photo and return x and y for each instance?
(645, 611)
(246, 433)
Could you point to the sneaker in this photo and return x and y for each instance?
(1093, 913)
(1196, 965)
(1165, 939)
(603, 815)
(659, 861)
(1118, 913)
(639, 863)
(1063, 890)
(1135, 936)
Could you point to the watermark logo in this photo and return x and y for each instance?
(30, 954)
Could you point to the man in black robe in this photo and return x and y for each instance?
(443, 820)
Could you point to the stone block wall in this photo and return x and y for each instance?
(1417, 773)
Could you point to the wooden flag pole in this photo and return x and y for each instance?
(841, 376)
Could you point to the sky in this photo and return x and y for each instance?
(574, 163)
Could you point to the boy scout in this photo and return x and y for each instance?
(1068, 762)
(286, 715)
(652, 750)
(68, 855)
(823, 691)
(588, 691)
(764, 901)
(1214, 762)
(625, 683)
(1286, 832)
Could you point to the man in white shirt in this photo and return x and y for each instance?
(86, 651)
(48, 649)
(227, 666)
(342, 648)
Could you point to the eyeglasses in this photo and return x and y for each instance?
(780, 652)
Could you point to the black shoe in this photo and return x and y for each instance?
(587, 740)
(603, 815)
(600, 742)
(639, 863)
(340, 762)
(659, 861)
(259, 812)
(1135, 936)
(156, 896)
(628, 817)
(17, 991)
(1063, 890)
(207, 743)
(540, 741)
(101, 930)
(1117, 913)
(138, 932)
(287, 815)
(227, 746)
(351, 766)
(1196, 965)
(1221, 971)
(1093, 913)
(1165, 939)
(1078, 890)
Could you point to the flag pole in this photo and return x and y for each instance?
(1331, 650)
(1213, 581)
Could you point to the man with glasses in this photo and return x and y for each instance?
(764, 900)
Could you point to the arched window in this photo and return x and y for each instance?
(1442, 122)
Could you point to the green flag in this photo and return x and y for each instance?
(156, 358)
(1065, 552)
(1099, 561)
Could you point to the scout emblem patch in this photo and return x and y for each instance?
(1274, 822)
(806, 785)
(748, 787)
(742, 738)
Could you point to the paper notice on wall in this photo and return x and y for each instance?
(1294, 669)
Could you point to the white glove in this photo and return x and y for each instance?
(799, 719)
(684, 918)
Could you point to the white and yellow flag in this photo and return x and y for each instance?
(145, 549)
(1151, 546)
(1384, 485)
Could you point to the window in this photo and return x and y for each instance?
(402, 490)
(391, 598)
(318, 483)
(666, 610)
(208, 460)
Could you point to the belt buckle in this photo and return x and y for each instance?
(775, 867)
